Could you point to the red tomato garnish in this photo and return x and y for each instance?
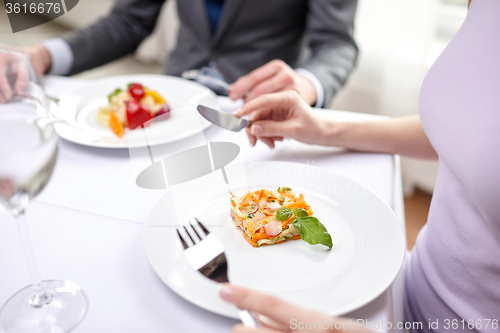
(136, 90)
(137, 115)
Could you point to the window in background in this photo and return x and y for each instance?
(450, 16)
(399, 40)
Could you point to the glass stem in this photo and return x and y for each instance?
(40, 296)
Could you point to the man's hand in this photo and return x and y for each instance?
(274, 76)
(14, 73)
(40, 58)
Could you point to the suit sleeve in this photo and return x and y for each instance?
(330, 27)
(113, 36)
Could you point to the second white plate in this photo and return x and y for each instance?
(78, 108)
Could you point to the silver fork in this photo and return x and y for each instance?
(206, 255)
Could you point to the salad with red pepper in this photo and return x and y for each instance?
(132, 108)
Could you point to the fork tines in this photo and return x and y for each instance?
(184, 243)
(202, 227)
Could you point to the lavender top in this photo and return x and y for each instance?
(454, 269)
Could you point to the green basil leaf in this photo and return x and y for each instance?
(113, 94)
(300, 212)
(283, 214)
(313, 231)
(284, 189)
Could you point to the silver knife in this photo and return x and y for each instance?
(223, 119)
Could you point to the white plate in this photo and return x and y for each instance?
(368, 253)
(79, 106)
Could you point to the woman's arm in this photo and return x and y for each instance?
(404, 136)
(285, 114)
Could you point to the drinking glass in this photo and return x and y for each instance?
(28, 153)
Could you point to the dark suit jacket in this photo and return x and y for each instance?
(311, 34)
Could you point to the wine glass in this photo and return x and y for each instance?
(28, 153)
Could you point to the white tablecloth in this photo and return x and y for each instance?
(87, 227)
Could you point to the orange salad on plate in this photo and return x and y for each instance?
(274, 216)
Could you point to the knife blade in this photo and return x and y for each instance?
(223, 119)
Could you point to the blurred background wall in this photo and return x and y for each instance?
(398, 40)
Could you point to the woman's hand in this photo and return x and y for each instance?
(281, 316)
(286, 114)
(283, 114)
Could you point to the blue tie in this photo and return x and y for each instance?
(214, 10)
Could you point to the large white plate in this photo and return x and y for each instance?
(78, 108)
(368, 253)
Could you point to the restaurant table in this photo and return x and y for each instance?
(86, 227)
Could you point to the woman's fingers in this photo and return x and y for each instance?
(269, 306)
(268, 141)
(252, 139)
(275, 102)
(271, 128)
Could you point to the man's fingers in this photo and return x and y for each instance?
(21, 80)
(275, 83)
(269, 306)
(247, 82)
(5, 90)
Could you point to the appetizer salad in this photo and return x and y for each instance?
(132, 108)
(271, 217)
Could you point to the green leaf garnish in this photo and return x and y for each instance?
(300, 212)
(313, 231)
(113, 94)
(283, 214)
